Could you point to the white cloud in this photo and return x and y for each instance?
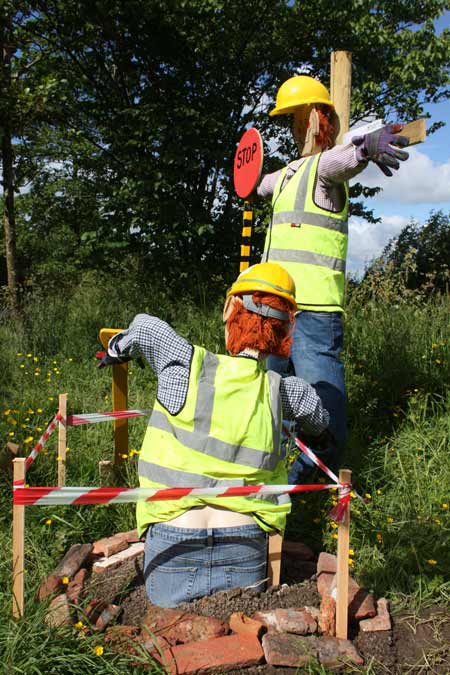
(367, 240)
(418, 180)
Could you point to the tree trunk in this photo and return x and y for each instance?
(9, 222)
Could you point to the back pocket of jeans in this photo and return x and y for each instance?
(245, 575)
(173, 584)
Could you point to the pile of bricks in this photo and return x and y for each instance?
(187, 643)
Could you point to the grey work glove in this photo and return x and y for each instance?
(106, 360)
(382, 147)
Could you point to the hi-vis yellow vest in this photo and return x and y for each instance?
(226, 434)
(310, 242)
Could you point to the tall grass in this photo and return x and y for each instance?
(398, 373)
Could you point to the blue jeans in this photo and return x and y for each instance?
(317, 343)
(182, 564)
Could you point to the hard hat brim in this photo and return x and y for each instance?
(307, 101)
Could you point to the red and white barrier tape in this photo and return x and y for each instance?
(93, 418)
(49, 496)
(42, 441)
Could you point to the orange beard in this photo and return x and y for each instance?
(247, 330)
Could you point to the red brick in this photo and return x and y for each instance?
(295, 621)
(361, 603)
(267, 618)
(52, 584)
(327, 621)
(217, 655)
(107, 564)
(327, 563)
(73, 560)
(108, 546)
(179, 627)
(108, 614)
(298, 550)
(382, 621)
(333, 652)
(76, 586)
(283, 649)
(242, 624)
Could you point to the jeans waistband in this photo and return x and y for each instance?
(175, 534)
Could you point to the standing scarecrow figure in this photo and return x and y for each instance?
(308, 236)
(217, 422)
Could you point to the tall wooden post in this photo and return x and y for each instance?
(340, 88)
(342, 574)
(62, 440)
(18, 542)
(119, 398)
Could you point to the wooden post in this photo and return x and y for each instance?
(62, 440)
(18, 542)
(274, 558)
(119, 398)
(340, 88)
(345, 476)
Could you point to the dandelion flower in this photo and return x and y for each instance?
(368, 496)
(445, 506)
(432, 562)
(351, 551)
(124, 456)
(390, 519)
(11, 433)
(6, 412)
(48, 521)
(40, 410)
(78, 625)
(351, 562)
(334, 535)
(98, 650)
(29, 439)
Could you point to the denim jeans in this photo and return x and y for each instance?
(182, 564)
(315, 356)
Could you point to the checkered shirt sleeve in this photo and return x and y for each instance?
(300, 401)
(168, 354)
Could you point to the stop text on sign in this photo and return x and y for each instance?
(248, 161)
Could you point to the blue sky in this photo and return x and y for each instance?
(421, 185)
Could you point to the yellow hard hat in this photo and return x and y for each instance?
(300, 90)
(267, 277)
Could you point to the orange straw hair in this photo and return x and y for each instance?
(325, 137)
(247, 330)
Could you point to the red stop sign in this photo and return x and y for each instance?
(248, 162)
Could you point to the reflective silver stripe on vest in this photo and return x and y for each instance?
(310, 218)
(299, 215)
(307, 257)
(237, 454)
(177, 478)
(275, 406)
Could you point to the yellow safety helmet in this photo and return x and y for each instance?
(300, 90)
(267, 277)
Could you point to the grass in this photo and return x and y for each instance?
(398, 375)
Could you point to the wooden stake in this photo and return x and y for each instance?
(119, 398)
(274, 558)
(345, 476)
(62, 437)
(415, 131)
(18, 542)
(340, 89)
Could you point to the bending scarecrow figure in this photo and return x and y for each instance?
(308, 236)
(217, 422)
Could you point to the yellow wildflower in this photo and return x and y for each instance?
(48, 521)
(29, 355)
(389, 519)
(40, 410)
(11, 433)
(351, 562)
(98, 650)
(438, 361)
(21, 365)
(29, 439)
(78, 625)
(368, 496)
(432, 562)
(334, 535)
(6, 412)
(124, 455)
(65, 580)
(351, 551)
(445, 506)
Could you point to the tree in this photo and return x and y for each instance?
(131, 157)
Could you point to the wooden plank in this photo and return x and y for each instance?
(274, 558)
(62, 440)
(340, 89)
(119, 398)
(342, 573)
(415, 131)
(18, 543)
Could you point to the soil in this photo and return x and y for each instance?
(418, 644)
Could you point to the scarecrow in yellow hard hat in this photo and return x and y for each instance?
(217, 422)
(308, 237)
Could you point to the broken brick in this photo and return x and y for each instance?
(217, 655)
(244, 625)
(295, 621)
(107, 564)
(73, 560)
(327, 621)
(284, 649)
(76, 586)
(382, 621)
(177, 626)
